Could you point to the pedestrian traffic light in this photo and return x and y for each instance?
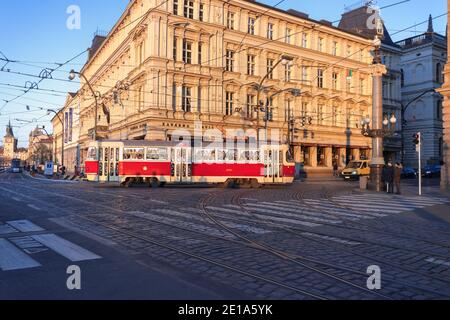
(416, 137)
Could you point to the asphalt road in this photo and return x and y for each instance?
(312, 240)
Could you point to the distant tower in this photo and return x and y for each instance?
(9, 143)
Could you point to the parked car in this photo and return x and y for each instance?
(432, 171)
(356, 169)
(409, 173)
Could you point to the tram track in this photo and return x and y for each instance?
(341, 248)
(299, 196)
(326, 196)
(214, 262)
(286, 256)
(282, 255)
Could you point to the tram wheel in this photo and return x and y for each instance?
(254, 184)
(230, 184)
(154, 183)
(128, 183)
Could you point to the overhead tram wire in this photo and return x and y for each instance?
(36, 85)
(213, 59)
(209, 100)
(312, 28)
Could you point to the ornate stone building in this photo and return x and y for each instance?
(445, 91)
(423, 59)
(191, 64)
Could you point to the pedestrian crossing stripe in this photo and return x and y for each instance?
(332, 209)
(304, 215)
(25, 226)
(267, 217)
(16, 250)
(65, 248)
(12, 258)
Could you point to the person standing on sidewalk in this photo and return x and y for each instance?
(398, 177)
(335, 170)
(388, 177)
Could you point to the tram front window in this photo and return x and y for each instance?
(92, 153)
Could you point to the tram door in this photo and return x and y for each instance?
(182, 165)
(272, 163)
(109, 164)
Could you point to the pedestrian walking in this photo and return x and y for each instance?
(388, 177)
(398, 177)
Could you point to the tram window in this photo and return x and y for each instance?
(100, 154)
(222, 155)
(117, 155)
(209, 155)
(111, 169)
(289, 156)
(157, 154)
(243, 155)
(254, 155)
(231, 155)
(133, 154)
(92, 153)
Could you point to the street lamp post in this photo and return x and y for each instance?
(284, 60)
(376, 133)
(72, 76)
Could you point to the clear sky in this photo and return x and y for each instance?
(35, 32)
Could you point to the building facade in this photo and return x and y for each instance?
(445, 92)
(422, 64)
(68, 118)
(40, 147)
(197, 65)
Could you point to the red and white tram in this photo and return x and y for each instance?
(159, 163)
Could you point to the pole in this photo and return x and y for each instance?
(377, 142)
(420, 164)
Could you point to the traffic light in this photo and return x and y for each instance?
(416, 137)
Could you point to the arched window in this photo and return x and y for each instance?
(439, 109)
(419, 71)
(402, 77)
(438, 76)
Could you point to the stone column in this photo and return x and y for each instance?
(445, 91)
(329, 157)
(313, 157)
(377, 124)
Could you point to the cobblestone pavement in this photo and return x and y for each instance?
(312, 240)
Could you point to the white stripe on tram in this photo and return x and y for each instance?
(12, 258)
(65, 248)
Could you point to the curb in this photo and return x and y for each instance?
(52, 180)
